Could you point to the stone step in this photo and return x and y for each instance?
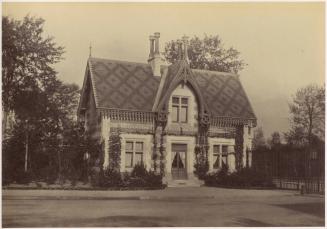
(185, 183)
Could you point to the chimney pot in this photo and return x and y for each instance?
(151, 37)
(154, 57)
(156, 34)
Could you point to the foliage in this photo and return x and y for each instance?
(207, 53)
(201, 164)
(275, 140)
(44, 107)
(74, 165)
(258, 138)
(139, 170)
(27, 58)
(307, 114)
(243, 178)
(114, 151)
(112, 178)
(138, 178)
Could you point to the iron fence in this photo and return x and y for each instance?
(293, 168)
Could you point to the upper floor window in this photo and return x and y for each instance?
(133, 153)
(179, 109)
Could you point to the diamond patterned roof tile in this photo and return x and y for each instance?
(128, 85)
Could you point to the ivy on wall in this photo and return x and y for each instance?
(201, 161)
(239, 147)
(115, 151)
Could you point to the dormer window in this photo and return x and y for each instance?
(179, 109)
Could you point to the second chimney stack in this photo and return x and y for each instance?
(154, 56)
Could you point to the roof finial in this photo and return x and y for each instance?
(90, 48)
(180, 49)
(185, 41)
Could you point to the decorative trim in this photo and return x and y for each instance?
(224, 121)
(131, 130)
(181, 133)
(161, 117)
(128, 115)
(222, 135)
(96, 98)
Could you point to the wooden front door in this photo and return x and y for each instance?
(179, 165)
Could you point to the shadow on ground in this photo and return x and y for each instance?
(246, 222)
(108, 221)
(316, 209)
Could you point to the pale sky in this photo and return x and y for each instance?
(282, 43)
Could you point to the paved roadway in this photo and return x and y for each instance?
(170, 207)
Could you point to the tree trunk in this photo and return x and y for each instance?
(26, 150)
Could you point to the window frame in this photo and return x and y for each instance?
(134, 152)
(217, 154)
(220, 154)
(179, 107)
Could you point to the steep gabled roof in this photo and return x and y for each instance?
(123, 85)
(224, 94)
(132, 86)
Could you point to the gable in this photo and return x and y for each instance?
(180, 73)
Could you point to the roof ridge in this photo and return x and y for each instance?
(120, 61)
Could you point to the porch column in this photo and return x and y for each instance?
(231, 158)
(157, 149)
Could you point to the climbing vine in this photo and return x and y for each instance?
(239, 147)
(114, 151)
(201, 163)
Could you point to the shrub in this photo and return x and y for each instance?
(111, 178)
(24, 177)
(139, 177)
(139, 170)
(219, 177)
(245, 177)
(96, 176)
(136, 182)
(153, 180)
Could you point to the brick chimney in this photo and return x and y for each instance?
(154, 56)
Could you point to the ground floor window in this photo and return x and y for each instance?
(133, 153)
(220, 153)
(224, 154)
(216, 156)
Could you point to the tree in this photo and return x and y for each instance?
(258, 138)
(27, 59)
(44, 107)
(275, 140)
(207, 53)
(308, 113)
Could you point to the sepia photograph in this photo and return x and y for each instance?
(163, 114)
